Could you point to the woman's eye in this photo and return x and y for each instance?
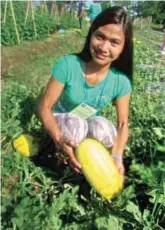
(98, 36)
(114, 42)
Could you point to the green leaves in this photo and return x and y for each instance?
(46, 24)
(18, 110)
(134, 210)
(160, 132)
(108, 222)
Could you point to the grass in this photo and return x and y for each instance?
(32, 62)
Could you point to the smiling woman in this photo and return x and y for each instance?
(107, 44)
(84, 83)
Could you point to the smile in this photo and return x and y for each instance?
(100, 56)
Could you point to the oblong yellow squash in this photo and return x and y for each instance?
(99, 168)
(26, 144)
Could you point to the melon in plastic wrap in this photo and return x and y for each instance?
(102, 130)
(73, 127)
(99, 168)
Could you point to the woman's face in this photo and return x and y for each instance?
(107, 43)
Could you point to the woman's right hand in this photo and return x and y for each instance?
(50, 97)
(69, 147)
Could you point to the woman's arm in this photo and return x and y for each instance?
(50, 97)
(122, 108)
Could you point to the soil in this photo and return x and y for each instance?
(17, 55)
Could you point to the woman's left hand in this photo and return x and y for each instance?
(120, 167)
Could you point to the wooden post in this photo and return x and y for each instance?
(4, 18)
(27, 10)
(56, 10)
(53, 9)
(45, 7)
(150, 22)
(42, 7)
(14, 20)
(141, 22)
(33, 17)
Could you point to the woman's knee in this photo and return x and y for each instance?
(72, 126)
(102, 130)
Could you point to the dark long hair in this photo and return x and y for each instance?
(113, 15)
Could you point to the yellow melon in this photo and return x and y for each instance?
(99, 168)
(26, 144)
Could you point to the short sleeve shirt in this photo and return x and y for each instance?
(94, 10)
(68, 71)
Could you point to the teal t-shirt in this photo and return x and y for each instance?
(68, 71)
(94, 10)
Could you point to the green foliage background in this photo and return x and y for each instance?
(46, 24)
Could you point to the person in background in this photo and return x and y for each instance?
(80, 13)
(88, 4)
(163, 44)
(94, 10)
(99, 75)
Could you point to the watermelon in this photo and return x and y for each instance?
(99, 168)
(27, 145)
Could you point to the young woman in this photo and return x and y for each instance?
(97, 76)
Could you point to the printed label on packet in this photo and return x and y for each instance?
(84, 111)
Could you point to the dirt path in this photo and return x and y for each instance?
(17, 55)
(154, 42)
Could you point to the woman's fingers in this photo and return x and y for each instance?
(69, 151)
(66, 141)
(120, 168)
(71, 143)
(68, 147)
(75, 168)
(121, 171)
(61, 158)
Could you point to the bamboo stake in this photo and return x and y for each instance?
(141, 23)
(40, 6)
(57, 17)
(56, 11)
(4, 19)
(33, 17)
(15, 24)
(27, 11)
(45, 7)
(53, 9)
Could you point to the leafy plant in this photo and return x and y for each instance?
(44, 22)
